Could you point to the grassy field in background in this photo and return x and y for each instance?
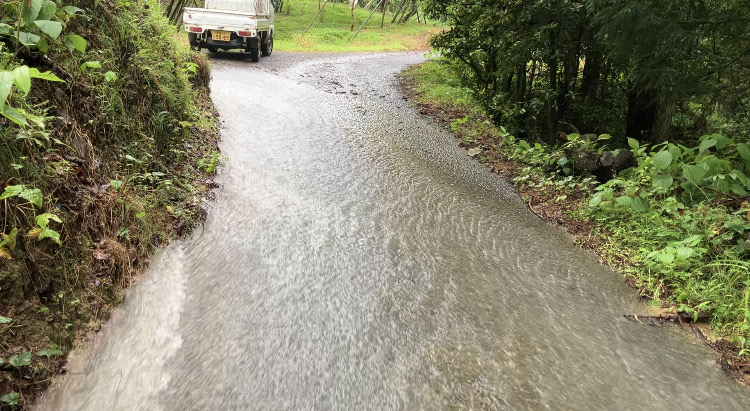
(331, 31)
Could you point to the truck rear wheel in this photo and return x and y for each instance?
(267, 49)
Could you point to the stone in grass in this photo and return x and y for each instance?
(474, 152)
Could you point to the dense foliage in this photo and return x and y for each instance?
(649, 70)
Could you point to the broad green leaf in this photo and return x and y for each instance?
(693, 173)
(10, 398)
(739, 189)
(49, 9)
(663, 181)
(9, 240)
(633, 143)
(42, 45)
(50, 28)
(72, 10)
(12, 191)
(20, 360)
(722, 185)
(47, 75)
(640, 204)
(683, 253)
(744, 151)
(676, 152)
(110, 76)
(90, 64)
(6, 29)
(42, 220)
(5, 320)
(75, 42)
(715, 164)
(722, 141)
(51, 234)
(21, 79)
(624, 201)
(6, 83)
(28, 39)
(115, 184)
(693, 240)
(16, 116)
(667, 255)
(30, 10)
(662, 160)
(595, 200)
(706, 144)
(34, 196)
(2, 361)
(49, 352)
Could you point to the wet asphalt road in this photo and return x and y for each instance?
(356, 258)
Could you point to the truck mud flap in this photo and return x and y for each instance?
(252, 43)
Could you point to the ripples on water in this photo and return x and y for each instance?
(356, 259)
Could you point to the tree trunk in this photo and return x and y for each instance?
(398, 11)
(591, 73)
(414, 9)
(553, 115)
(382, 19)
(642, 107)
(532, 76)
(663, 122)
(521, 83)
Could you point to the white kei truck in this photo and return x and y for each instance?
(231, 24)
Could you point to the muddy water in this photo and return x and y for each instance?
(357, 259)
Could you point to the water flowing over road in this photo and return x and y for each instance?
(356, 259)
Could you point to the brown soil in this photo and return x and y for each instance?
(586, 234)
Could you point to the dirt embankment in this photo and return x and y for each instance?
(122, 163)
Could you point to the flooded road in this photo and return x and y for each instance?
(357, 259)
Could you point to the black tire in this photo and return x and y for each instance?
(267, 49)
(254, 54)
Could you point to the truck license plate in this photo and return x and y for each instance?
(220, 35)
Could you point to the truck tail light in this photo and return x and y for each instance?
(194, 29)
(245, 33)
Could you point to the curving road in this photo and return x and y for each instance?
(357, 259)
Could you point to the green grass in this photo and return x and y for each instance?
(331, 31)
(437, 81)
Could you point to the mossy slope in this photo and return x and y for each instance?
(124, 160)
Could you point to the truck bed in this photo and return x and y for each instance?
(209, 19)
